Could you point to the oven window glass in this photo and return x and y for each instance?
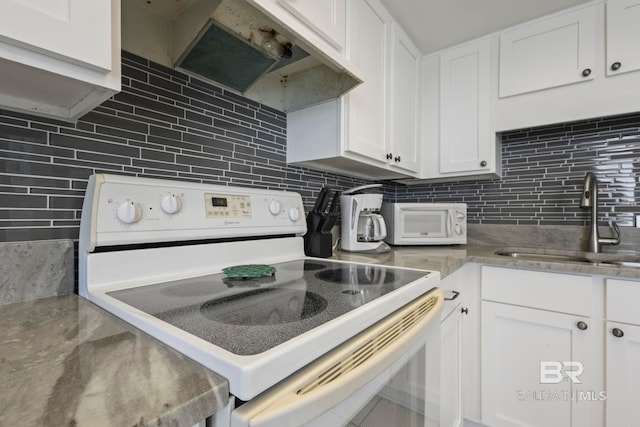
(403, 400)
(421, 223)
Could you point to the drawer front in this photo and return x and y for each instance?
(622, 301)
(565, 293)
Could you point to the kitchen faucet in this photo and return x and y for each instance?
(590, 200)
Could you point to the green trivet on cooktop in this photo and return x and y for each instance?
(249, 271)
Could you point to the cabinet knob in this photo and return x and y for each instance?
(483, 163)
(389, 156)
(397, 159)
(616, 66)
(464, 310)
(617, 332)
(582, 325)
(586, 72)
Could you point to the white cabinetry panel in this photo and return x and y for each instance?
(623, 352)
(514, 342)
(451, 370)
(378, 134)
(465, 127)
(368, 103)
(623, 374)
(549, 53)
(327, 18)
(77, 31)
(59, 58)
(623, 36)
(405, 102)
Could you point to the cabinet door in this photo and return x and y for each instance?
(367, 104)
(465, 128)
(326, 18)
(516, 342)
(75, 31)
(548, 53)
(623, 36)
(405, 102)
(623, 375)
(451, 370)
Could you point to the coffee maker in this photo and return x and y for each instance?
(363, 228)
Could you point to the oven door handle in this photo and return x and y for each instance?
(346, 370)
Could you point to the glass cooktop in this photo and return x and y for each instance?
(250, 316)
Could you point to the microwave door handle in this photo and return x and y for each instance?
(344, 371)
(449, 224)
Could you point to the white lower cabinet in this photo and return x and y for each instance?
(542, 353)
(526, 357)
(459, 376)
(623, 353)
(623, 374)
(451, 368)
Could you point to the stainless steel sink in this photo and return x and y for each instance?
(540, 255)
(620, 263)
(559, 255)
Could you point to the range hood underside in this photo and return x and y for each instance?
(178, 34)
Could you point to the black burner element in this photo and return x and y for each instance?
(267, 306)
(357, 275)
(310, 266)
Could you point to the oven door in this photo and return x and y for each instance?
(379, 375)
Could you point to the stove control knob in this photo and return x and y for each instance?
(171, 204)
(129, 212)
(294, 214)
(274, 207)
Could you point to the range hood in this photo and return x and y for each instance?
(237, 46)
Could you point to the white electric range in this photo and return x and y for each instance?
(152, 253)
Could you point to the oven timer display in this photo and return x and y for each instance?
(227, 206)
(219, 202)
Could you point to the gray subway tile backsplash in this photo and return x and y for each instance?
(163, 124)
(170, 125)
(542, 175)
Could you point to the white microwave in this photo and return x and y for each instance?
(425, 223)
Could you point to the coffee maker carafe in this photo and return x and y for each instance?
(363, 228)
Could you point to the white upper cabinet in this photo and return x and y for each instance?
(372, 132)
(323, 24)
(71, 30)
(367, 106)
(573, 65)
(623, 36)
(548, 53)
(59, 58)
(465, 131)
(327, 18)
(458, 136)
(404, 123)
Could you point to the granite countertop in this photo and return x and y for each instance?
(66, 362)
(446, 260)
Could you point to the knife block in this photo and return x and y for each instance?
(316, 243)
